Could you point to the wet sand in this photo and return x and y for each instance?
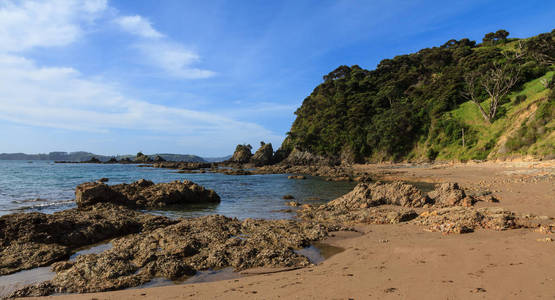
(404, 261)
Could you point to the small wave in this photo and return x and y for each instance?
(29, 200)
(45, 205)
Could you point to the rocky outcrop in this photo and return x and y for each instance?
(179, 250)
(144, 194)
(370, 203)
(264, 155)
(450, 194)
(158, 159)
(29, 240)
(375, 194)
(141, 158)
(298, 157)
(242, 154)
(459, 219)
(446, 209)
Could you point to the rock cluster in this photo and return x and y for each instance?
(178, 250)
(144, 194)
(29, 240)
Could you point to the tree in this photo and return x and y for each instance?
(497, 83)
(500, 36)
(542, 48)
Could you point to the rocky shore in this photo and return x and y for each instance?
(145, 247)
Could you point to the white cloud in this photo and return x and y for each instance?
(63, 98)
(139, 26)
(173, 58)
(28, 24)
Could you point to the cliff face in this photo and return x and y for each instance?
(418, 106)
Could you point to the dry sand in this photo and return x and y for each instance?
(404, 261)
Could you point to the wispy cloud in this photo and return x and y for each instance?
(139, 26)
(28, 24)
(173, 58)
(160, 51)
(62, 97)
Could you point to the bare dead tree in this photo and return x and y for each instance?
(497, 83)
(471, 92)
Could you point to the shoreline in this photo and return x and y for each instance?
(411, 257)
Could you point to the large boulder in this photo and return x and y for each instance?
(144, 194)
(264, 155)
(242, 154)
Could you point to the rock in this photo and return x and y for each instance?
(103, 179)
(93, 160)
(141, 158)
(459, 219)
(144, 194)
(236, 172)
(181, 165)
(242, 154)
(177, 251)
(90, 193)
(396, 193)
(29, 240)
(263, 156)
(296, 177)
(158, 159)
(288, 197)
(298, 158)
(450, 194)
(292, 203)
(339, 178)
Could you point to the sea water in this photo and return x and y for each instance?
(47, 187)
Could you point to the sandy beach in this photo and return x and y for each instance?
(404, 261)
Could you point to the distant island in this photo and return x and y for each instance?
(80, 156)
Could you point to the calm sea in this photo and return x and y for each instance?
(48, 187)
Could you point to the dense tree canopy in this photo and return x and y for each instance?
(384, 113)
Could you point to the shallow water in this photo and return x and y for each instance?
(48, 187)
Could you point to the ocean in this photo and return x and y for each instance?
(45, 186)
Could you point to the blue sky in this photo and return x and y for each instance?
(199, 77)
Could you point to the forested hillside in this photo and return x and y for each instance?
(461, 100)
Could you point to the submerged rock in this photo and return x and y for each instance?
(179, 250)
(29, 240)
(144, 194)
(296, 177)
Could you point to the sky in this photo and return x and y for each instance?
(199, 77)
